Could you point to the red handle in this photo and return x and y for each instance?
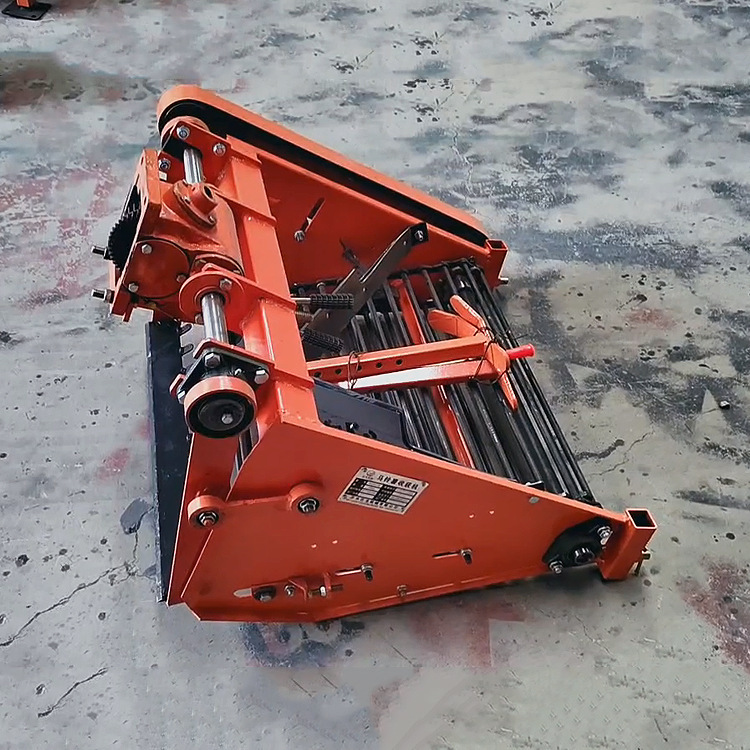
(527, 350)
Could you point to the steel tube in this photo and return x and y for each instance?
(214, 322)
(192, 160)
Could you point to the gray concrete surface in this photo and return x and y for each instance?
(608, 144)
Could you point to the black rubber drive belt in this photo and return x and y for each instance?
(224, 124)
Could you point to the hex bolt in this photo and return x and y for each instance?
(207, 518)
(132, 287)
(238, 373)
(183, 132)
(211, 361)
(289, 590)
(308, 505)
(604, 532)
(323, 591)
(225, 285)
(180, 278)
(146, 249)
(227, 417)
(299, 236)
(261, 376)
(219, 149)
(556, 567)
(467, 556)
(367, 572)
(164, 165)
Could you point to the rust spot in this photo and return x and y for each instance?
(113, 464)
(647, 317)
(723, 602)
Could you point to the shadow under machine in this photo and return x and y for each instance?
(357, 425)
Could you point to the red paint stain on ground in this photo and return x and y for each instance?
(113, 464)
(28, 202)
(725, 603)
(653, 318)
(458, 630)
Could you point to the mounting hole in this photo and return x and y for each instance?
(208, 192)
(399, 361)
(318, 374)
(378, 365)
(338, 371)
(265, 593)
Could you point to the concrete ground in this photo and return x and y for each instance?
(608, 144)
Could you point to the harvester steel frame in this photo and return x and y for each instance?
(267, 510)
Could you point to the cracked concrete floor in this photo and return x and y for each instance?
(607, 144)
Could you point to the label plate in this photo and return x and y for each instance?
(377, 489)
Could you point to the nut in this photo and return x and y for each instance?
(261, 376)
(164, 165)
(132, 287)
(146, 249)
(219, 149)
(299, 236)
(212, 360)
(289, 590)
(556, 567)
(308, 505)
(207, 518)
(604, 532)
(180, 278)
(183, 131)
(225, 284)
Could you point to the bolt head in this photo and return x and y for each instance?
(323, 591)
(164, 165)
(183, 132)
(225, 284)
(289, 590)
(207, 518)
(265, 596)
(582, 555)
(604, 532)
(180, 278)
(556, 567)
(227, 417)
(419, 235)
(211, 219)
(219, 149)
(132, 287)
(146, 249)
(199, 319)
(308, 505)
(212, 360)
(261, 376)
(299, 236)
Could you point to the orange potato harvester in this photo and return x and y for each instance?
(357, 426)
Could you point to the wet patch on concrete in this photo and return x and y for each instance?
(610, 243)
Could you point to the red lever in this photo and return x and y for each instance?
(527, 350)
